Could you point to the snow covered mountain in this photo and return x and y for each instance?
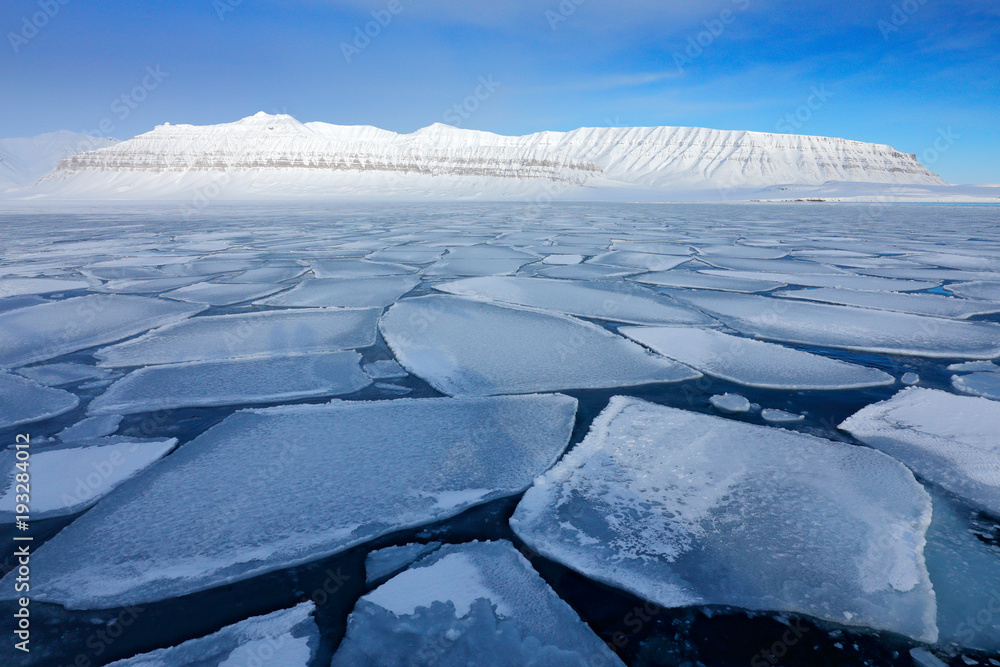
(25, 160)
(265, 156)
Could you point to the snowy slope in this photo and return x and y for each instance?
(265, 156)
(24, 161)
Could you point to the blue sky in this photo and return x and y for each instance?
(920, 75)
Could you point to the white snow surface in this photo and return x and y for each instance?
(356, 471)
(947, 439)
(685, 509)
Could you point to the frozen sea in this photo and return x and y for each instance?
(232, 408)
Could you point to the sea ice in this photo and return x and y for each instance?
(407, 254)
(584, 272)
(66, 479)
(464, 347)
(371, 292)
(780, 416)
(285, 638)
(687, 509)
(754, 363)
(730, 404)
(222, 294)
(947, 439)
(266, 274)
(917, 304)
(469, 604)
(986, 385)
(91, 427)
(617, 302)
(695, 280)
(979, 289)
(146, 285)
(22, 286)
(384, 369)
(356, 268)
(265, 334)
(232, 382)
(639, 260)
(53, 375)
(971, 366)
(562, 260)
(850, 328)
(453, 267)
(53, 329)
(910, 379)
(390, 560)
(355, 471)
(23, 401)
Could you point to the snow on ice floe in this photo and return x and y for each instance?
(232, 382)
(638, 260)
(464, 347)
(356, 268)
(917, 304)
(68, 478)
(617, 302)
(355, 470)
(54, 375)
(23, 286)
(754, 363)
(979, 289)
(695, 280)
(469, 604)
(265, 334)
(847, 327)
(390, 560)
(222, 294)
(53, 329)
(23, 401)
(986, 385)
(843, 281)
(686, 509)
(285, 638)
(972, 366)
(947, 439)
(373, 292)
(730, 404)
(91, 427)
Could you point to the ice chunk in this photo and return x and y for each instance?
(977, 289)
(23, 401)
(222, 294)
(147, 285)
(285, 638)
(395, 388)
(562, 260)
(407, 254)
(918, 304)
(357, 268)
(695, 280)
(638, 260)
(53, 329)
(986, 385)
(384, 369)
(266, 334)
(385, 562)
(617, 302)
(449, 266)
(971, 366)
(471, 348)
(730, 404)
(91, 427)
(924, 658)
(355, 470)
(845, 281)
(266, 274)
(15, 302)
(345, 292)
(66, 479)
(232, 382)
(741, 251)
(585, 272)
(686, 509)
(910, 379)
(54, 375)
(470, 604)
(947, 439)
(849, 328)
(754, 363)
(22, 286)
(780, 416)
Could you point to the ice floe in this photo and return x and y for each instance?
(695, 280)
(23, 401)
(917, 304)
(978, 289)
(22, 286)
(469, 604)
(464, 347)
(390, 560)
(356, 268)
(844, 281)
(639, 260)
(910, 379)
(371, 292)
(91, 427)
(384, 369)
(686, 509)
(947, 439)
(780, 416)
(222, 294)
(986, 385)
(264, 334)
(730, 404)
(754, 363)
(54, 375)
(354, 471)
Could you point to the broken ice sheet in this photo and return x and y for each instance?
(390, 560)
(844, 281)
(947, 439)
(687, 509)
(232, 382)
(616, 302)
(356, 268)
(986, 385)
(53, 329)
(730, 404)
(22, 286)
(222, 294)
(285, 638)
(360, 470)
(464, 347)
(638, 260)
(469, 604)
(91, 427)
(265, 334)
(847, 327)
(917, 304)
(371, 292)
(754, 363)
(384, 369)
(695, 280)
(53, 375)
(980, 289)
(68, 478)
(23, 401)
